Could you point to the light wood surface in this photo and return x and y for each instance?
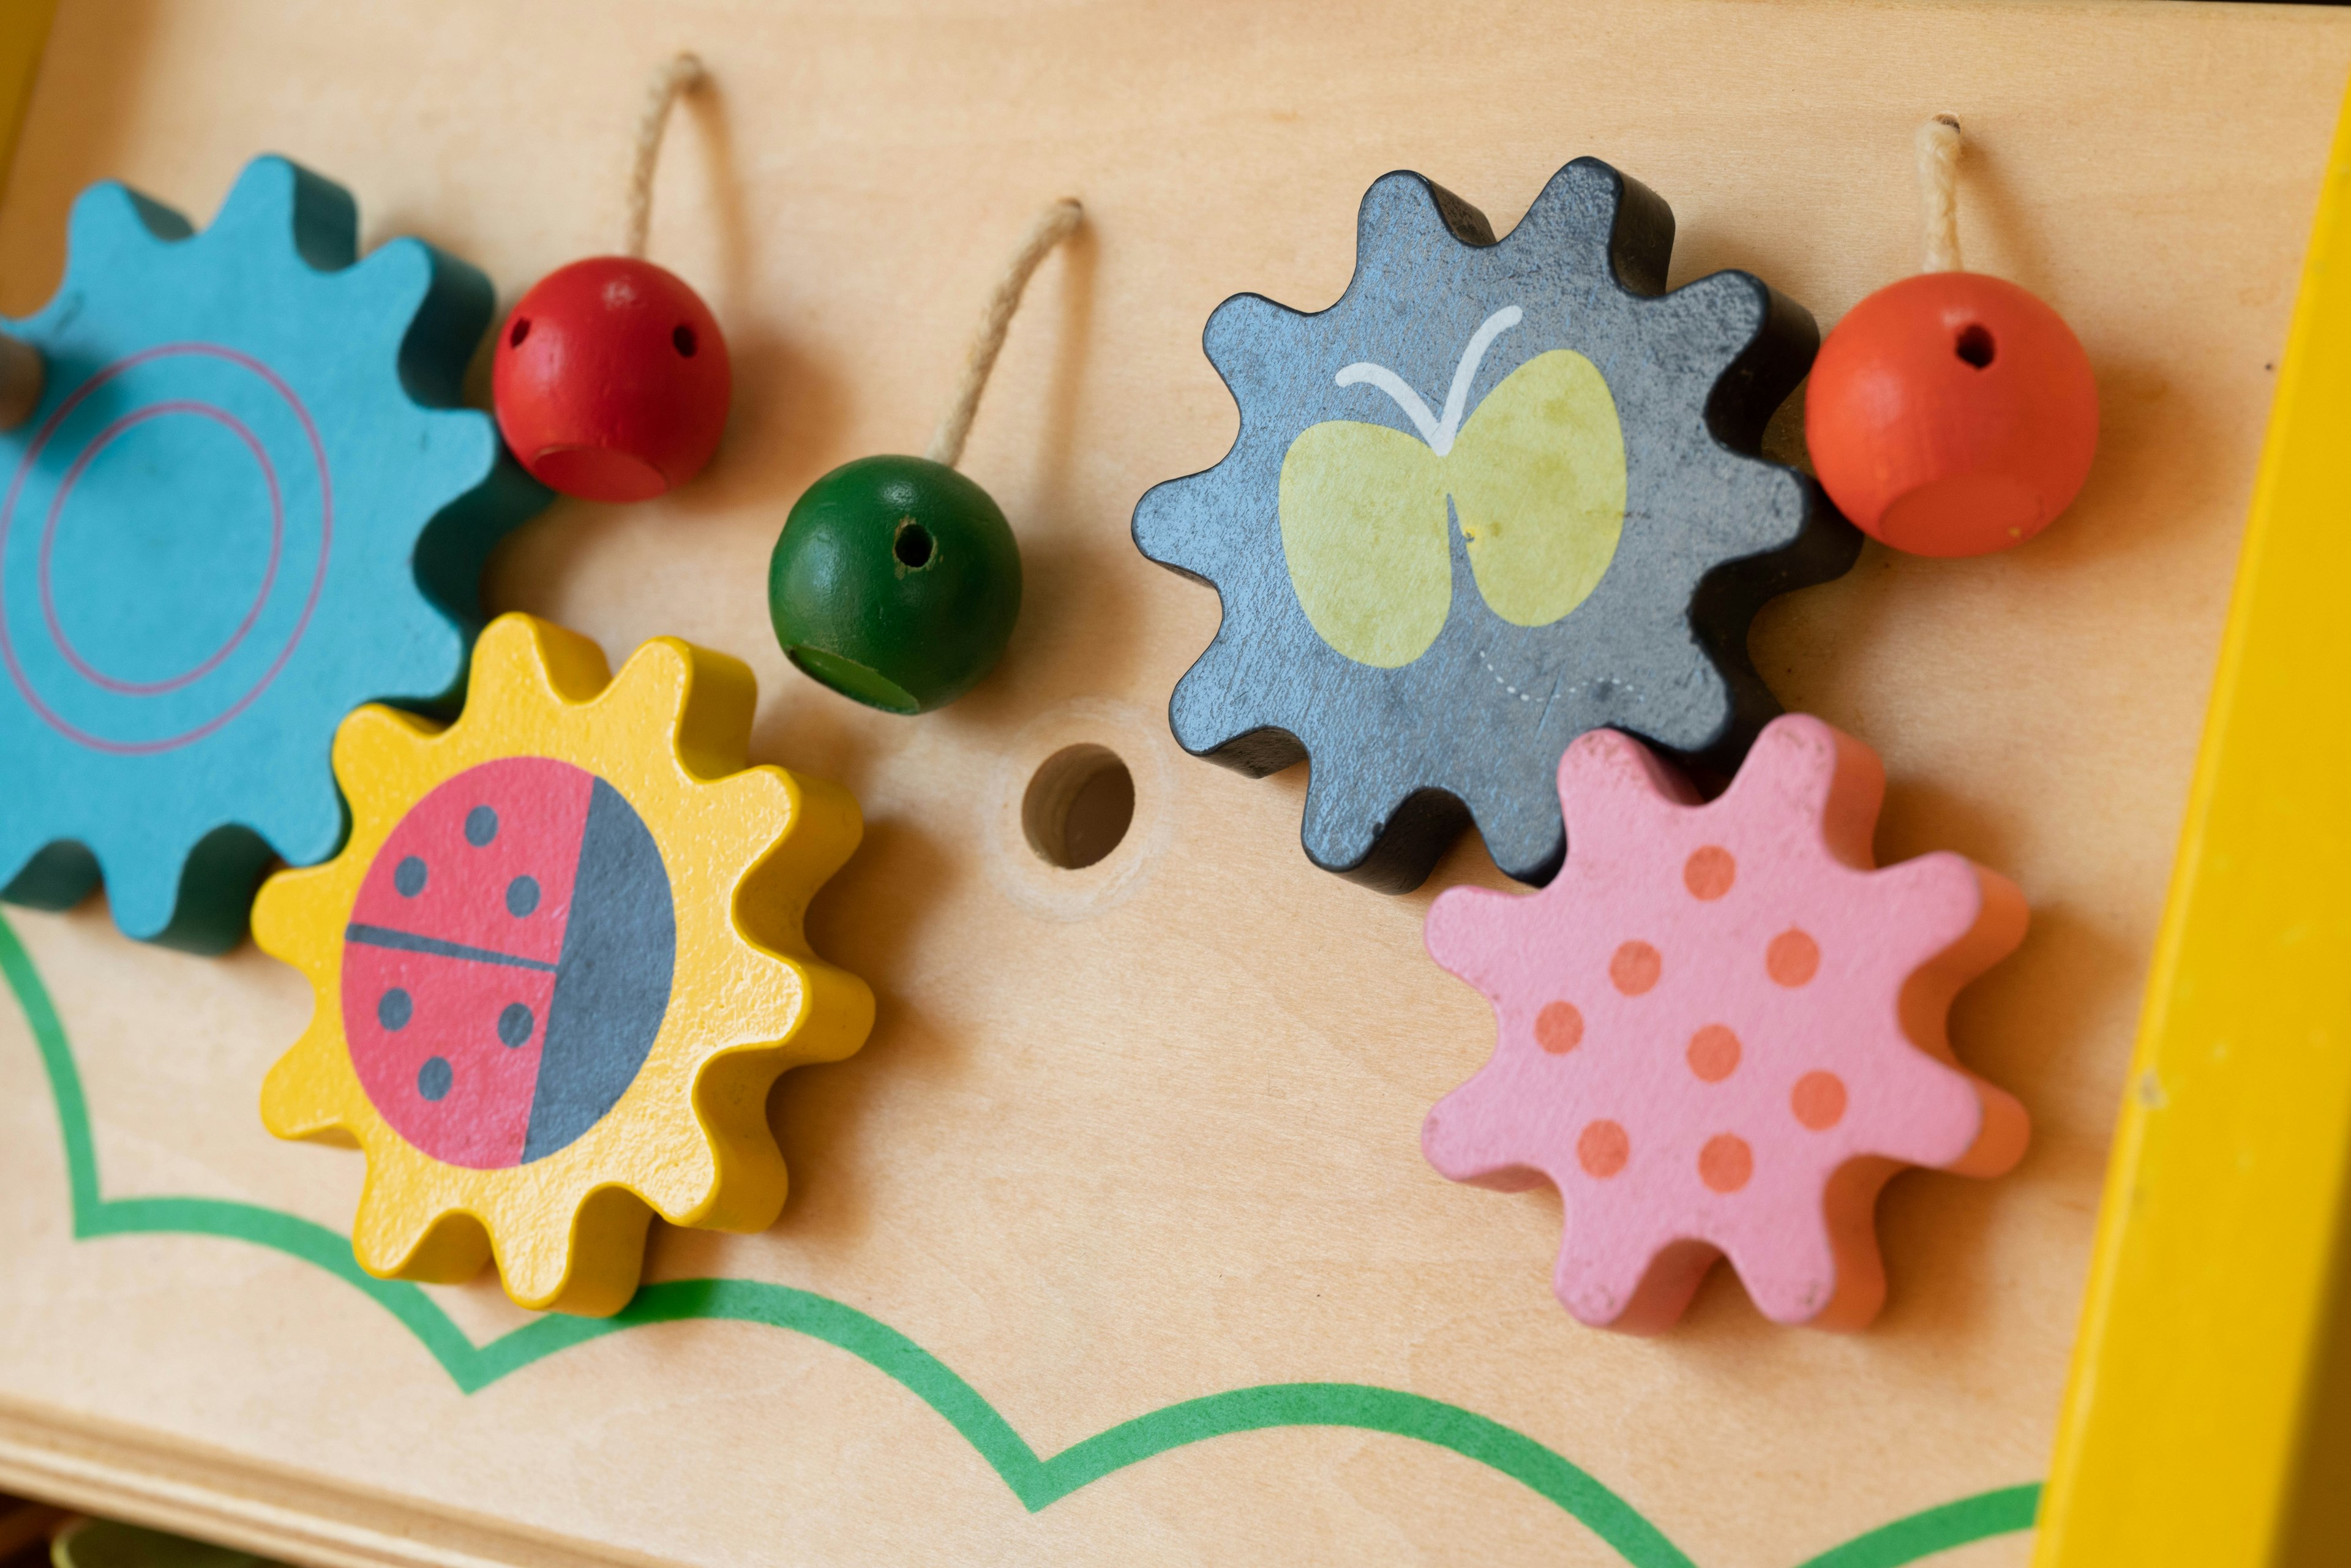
(2224, 1220)
(1148, 1131)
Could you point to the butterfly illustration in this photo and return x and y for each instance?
(1535, 476)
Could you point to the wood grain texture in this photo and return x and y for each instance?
(1149, 1134)
(1349, 507)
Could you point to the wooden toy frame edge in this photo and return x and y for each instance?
(2196, 1409)
(2209, 1402)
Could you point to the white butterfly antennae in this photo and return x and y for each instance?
(1439, 436)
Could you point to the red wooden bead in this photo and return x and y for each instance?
(612, 379)
(1951, 413)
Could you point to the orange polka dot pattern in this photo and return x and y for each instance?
(1699, 1027)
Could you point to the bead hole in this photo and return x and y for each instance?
(1975, 345)
(1079, 804)
(518, 331)
(911, 544)
(682, 339)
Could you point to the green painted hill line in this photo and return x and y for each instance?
(1035, 1482)
(1933, 1530)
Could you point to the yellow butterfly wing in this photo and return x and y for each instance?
(1538, 478)
(1364, 533)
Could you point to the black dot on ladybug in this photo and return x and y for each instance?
(515, 1025)
(522, 896)
(408, 876)
(434, 1079)
(521, 330)
(682, 339)
(481, 826)
(394, 1009)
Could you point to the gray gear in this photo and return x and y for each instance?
(1473, 729)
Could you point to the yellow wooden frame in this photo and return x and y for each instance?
(2194, 1410)
(23, 30)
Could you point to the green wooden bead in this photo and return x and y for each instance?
(896, 581)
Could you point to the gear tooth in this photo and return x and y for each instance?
(142, 886)
(1405, 217)
(1466, 927)
(518, 651)
(370, 747)
(1801, 759)
(455, 544)
(411, 1237)
(1794, 1275)
(1456, 1135)
(1609, 223)
(704, 702)
(1715, 318)
(446, 304)
(1336, 838)
(308, 822)
(1245, 339)
(1175, 525)
(299, 1098)
(292, 905)
(110, 217)
(1164, 529)
(1203, 724)
(279, 198)
(589, 1269)
(53, 876)
(17, 851)
(1526, 847)
(177, 889)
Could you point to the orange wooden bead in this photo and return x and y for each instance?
(1951, 413)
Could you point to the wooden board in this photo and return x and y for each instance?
(1148, 1134)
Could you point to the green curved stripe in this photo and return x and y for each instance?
(1035, 1481)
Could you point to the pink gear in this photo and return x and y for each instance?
(1722, 1030)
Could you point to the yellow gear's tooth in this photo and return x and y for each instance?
(395, 1237)
(372, 747)
(561, 1202)
(304, 1097)
(519, 656)
(291, 903)
(706, 698)
(821, 828)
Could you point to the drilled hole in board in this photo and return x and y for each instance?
(1079, 805)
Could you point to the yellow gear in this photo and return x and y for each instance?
(742, 849)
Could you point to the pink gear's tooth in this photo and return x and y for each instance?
(1820, 775)
(1451, 1139)
(1462, 924)
(1635, 1291)
(1605, 770)
(1721, 1028)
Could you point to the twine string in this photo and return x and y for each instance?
(1053, 226)
(1938, 187)
(681, 74)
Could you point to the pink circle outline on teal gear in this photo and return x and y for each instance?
(317, 581)
(98, 444)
